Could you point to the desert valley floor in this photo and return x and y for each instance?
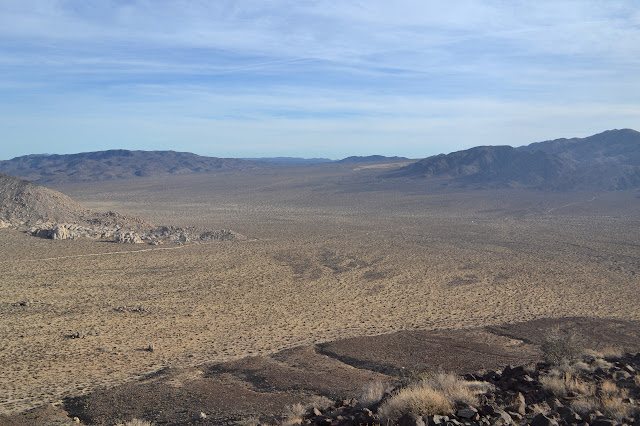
(331, 252)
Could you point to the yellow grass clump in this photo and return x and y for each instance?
(440, 394)
(561, 384)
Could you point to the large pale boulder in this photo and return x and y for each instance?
(60, 233)
(128, 238)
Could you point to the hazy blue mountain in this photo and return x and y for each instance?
(608, 160)
(115, 164)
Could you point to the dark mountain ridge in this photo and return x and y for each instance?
(115, 164)
(487, 164)
(606, 161)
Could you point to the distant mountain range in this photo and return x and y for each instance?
(606, 161)
(115, 164)
(122, 164)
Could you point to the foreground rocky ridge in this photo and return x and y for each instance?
(599, 391)
(354, 377)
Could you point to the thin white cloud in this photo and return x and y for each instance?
(256, 72)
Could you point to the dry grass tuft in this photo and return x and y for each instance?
(602, 364)
(561, 385)
(420, 399)
(608, 389)
(609, 400)
(296, 410)
(294, 414)
(612, 352)
(581, 366)
(584, 406)
(372, 393)
(616, 409)
(437, 395)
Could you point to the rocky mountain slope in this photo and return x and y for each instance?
(23, 201)
(115, 164)
(606, 161)
(46, 213)
(610, 160)
(484, 164)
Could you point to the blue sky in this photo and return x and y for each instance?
(313, 78)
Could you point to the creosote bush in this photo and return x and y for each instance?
(561, 347)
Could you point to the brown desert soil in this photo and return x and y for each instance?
(328, 259)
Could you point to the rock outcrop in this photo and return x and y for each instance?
(44, 213)
(602, 391)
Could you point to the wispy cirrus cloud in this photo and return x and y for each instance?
(435, 67)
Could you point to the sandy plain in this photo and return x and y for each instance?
(332, 252)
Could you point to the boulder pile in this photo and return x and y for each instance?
(118, 233)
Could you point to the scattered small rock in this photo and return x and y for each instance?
(542, 420)
(410, 419)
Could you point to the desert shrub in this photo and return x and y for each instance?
(561, 384)
(372, 393)
(295, 411)
(584, 406)
(294, 414)
(581, 366)
(609, 400)
(608, 389)
(554, 385)
(458, 391)
(419, 399)
(439, 394)
(611, 352)
(561, 346)
(615, 408)
(602, 364)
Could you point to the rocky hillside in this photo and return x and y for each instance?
(606, 161)
(488, 164)
(599, 390)
(609, 160)
(45, 213)
(115, 164)
(23, 201)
